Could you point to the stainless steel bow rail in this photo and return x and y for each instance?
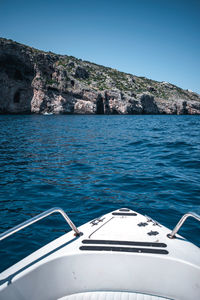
(38, 218)
(180, 223)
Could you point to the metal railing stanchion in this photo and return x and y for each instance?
(180, 223)
(37, 218)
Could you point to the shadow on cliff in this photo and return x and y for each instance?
(16, 75)
(148, 104)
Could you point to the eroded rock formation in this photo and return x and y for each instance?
(34, 81)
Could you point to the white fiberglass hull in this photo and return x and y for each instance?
(122, 255)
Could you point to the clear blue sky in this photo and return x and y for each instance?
(159, 39)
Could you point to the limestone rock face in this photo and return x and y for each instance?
(81, 73)
(34, 81)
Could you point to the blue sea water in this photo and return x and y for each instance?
(90, 165)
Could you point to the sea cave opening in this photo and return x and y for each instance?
(16, 98)
(99, 105)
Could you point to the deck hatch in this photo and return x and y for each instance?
(124, 249)
(123, 214)
(126, 243)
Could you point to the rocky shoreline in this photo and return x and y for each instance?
(34, 81)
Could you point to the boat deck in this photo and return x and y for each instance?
(121, 255)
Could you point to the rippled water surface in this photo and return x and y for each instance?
(90, 165)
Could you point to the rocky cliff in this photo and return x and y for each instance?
(34, 81)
